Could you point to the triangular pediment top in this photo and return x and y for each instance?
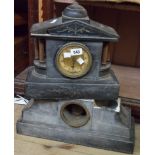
(74, 29)
(80, 28)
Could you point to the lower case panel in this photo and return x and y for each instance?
(39, 87)
(114, 131)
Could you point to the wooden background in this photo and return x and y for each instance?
(125, 22)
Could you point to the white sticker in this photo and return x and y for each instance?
(118, 108)
(76, 51)
(67, 55)
(20, 100)
(80, 61)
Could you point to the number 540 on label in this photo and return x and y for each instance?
(76, 51)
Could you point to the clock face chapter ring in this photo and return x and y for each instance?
(73, 60)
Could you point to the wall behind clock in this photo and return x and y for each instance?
(126, 21)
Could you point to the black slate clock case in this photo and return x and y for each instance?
(98, 83)
(67, 109)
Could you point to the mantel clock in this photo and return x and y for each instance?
(74, 94)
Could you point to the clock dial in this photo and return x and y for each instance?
(74, 60)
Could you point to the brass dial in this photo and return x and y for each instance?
(74, 60)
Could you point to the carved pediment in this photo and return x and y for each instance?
(74, 24)
(78, 28)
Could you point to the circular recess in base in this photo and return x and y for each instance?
(75, 114)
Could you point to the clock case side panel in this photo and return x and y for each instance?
(53, 46)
